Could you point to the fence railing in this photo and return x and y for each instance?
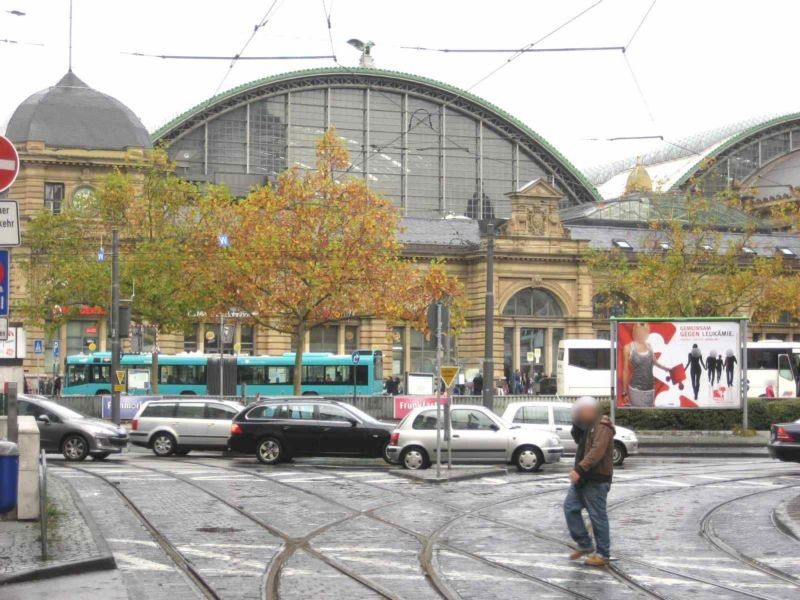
(379, 407)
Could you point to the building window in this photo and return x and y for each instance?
(748, 250)
(533, 302)
(786, 251)
(423, 352)
(350, 339)
(212, 339)
(190, 338)
(247, 340)
(605, 305)
(82, 337)
(53, 197)
(398, 351)
(508, 352)
(625, 245)
(324, 338)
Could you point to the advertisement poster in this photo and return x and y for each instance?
(678, 364)
(405, 404)
(128, 405)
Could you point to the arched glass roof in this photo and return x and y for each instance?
(431, 148)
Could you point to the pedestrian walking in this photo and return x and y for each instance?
(590, 481)
(477, 384)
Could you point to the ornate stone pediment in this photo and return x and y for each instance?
(534, 211)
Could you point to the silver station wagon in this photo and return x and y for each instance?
(170, 427)
(478, 436)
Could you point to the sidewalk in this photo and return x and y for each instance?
(74, 544)
(702, 443)
(787, 517)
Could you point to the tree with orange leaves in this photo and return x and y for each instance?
(315, 248)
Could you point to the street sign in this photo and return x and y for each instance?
(355, 357)
(92, 347)
(4, 273)
(9, 223)
(120, 377)
(38, 346)
(101, 255)
(223, 240)
(537, 354)
(9, 163)
(3, 329)
(530, 356)
(56, 348)
(449, 375)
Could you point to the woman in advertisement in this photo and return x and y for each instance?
(695, 366)
(638, 361)
(730, 365)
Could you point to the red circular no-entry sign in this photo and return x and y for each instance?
(9, 163)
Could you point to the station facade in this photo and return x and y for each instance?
(447, 159)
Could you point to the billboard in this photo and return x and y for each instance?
(405, 404)
(678, 364)
(128, 405)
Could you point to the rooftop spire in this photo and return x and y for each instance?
(70, 36)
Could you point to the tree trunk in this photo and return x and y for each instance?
(154, 371)
(298, 359)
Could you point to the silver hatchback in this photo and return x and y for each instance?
(170, 427)
(478, 435)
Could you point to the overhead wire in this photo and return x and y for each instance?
(231, 58)
(509, 50)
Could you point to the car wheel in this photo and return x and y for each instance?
(182, 451)
(528, 459)
(163, 444)
(619, 454)
(415, 458)
(75, 447)
(384, 454)
(101, 456)
(269, 451)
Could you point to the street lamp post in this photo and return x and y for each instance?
(488, 340)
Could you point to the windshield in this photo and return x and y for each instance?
(57, 409)
(361, 414)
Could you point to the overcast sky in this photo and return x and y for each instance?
(700, 63)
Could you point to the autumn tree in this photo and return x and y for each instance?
(314, 248)
(699, 257)
(152, 208)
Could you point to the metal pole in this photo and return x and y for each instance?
(488, 339)
(613, 363)
(115, 339)
(221, 342)
(743, 385)
(13, 411)
(437, 382)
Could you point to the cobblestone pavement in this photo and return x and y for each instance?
(207, 526)
(70, 538)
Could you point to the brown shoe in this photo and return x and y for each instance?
(595, 560)
(579, 553)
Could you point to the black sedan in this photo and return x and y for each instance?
(277, 430)
(784, 441)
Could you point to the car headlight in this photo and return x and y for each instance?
(554, 441)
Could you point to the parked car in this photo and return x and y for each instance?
(278, 429)
(557, 417)
(75, 435)
(170, 427)
(478, 435)
(784, 441)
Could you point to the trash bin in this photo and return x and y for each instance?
(9, 476)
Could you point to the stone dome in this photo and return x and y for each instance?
(70, 114)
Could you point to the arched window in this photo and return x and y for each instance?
(533, 302)
(605, 305)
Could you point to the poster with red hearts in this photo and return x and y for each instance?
(678, 364)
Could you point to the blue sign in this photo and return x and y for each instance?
(4, 267)
(355, 357)
(223, 240)
(38, 346)
(101, 255)
(56, 348)
(128, 405)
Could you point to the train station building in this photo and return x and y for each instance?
(449, 160)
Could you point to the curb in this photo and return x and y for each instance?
(784, 522)
(489, 472)
(104, 561)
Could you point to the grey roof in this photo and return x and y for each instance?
(457, 232)
(72, 115)
(602, 238)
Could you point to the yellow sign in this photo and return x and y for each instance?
(119, 388)
(530, 356)
(237, 347)
(210, 336)
(92, 347)
(121, 377)
(537, 354)
(448, 375)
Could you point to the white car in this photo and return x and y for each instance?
(478, 436)
(556, 417)
(170, 427)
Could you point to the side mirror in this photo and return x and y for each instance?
(43, 419)
(494, 427)
(352, 422)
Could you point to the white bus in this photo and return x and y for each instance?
(583, 368)
(772, 363)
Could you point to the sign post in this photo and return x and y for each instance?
(38, 350)
(356, 358)
(448, 374)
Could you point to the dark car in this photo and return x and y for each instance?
(276, 430)
(75, 435)
(784, 441)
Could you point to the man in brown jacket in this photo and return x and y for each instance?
(590, 481)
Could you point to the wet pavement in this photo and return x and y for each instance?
(210, 526)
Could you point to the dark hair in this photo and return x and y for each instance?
(694, 345)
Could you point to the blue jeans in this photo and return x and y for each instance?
(592, 496)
